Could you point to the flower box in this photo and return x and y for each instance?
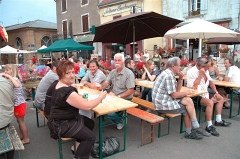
(31, 84)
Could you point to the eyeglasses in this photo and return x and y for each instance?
(206, 62)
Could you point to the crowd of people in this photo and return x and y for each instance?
(68, 112)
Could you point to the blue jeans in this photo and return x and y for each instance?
(147, 92)
(116, 117)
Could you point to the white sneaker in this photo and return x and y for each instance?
(119, 126)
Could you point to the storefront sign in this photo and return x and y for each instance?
(84, 38)
(119, 8)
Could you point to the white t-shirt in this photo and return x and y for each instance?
(146, 56)
(233, 73)
(192, 75)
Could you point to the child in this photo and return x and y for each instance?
(19, 102)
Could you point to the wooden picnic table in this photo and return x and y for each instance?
(109, 105)
(148, 84)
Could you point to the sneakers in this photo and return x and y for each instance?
(212, 130)
(202, 132)
(193, 135)
(222, 123)
(119, 126)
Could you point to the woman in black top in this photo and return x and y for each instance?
(64, 118)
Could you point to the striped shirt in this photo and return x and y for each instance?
(18, 92)
(163, 87)
(192, 75)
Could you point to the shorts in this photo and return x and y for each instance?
(20, 111)
(182, 110)
(197, 98)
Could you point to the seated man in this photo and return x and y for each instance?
(95, 75)
(122, 84)
(43, 86)
(198, 77)
(233, 72)
(167, 98)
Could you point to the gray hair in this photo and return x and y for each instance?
(231, 61)
(172, 61)
(119, 54)
(201, 62)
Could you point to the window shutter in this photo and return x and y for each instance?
(203, 7)
(85, 23)
(64, 29)
(64, 6)
(185, 8)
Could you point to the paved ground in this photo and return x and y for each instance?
(226, 146)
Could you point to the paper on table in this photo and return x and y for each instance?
(146, 82)
(94, 96)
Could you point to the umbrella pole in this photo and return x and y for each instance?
(133, 39)
(232, 53)
(199, 47)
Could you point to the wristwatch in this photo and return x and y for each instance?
(119, 96)
(216, 92)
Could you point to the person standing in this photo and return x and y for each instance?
(71, 57)
(167, 98)
(157, 59)
(19, 103)
(146, 55)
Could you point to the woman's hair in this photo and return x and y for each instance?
(127, 61)
(211, 59)
(148, 64)
(63, 66)
(13, 68)
(85, 61)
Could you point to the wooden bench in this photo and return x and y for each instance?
(149, 105)
(150, 118)
(62, 140)
(9, 141)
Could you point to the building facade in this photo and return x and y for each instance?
(74, 19)
(28, 36)
(222, 12)
(112, 9)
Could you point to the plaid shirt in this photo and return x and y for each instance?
(163, 87)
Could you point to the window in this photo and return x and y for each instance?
(64, 29)
(18, 43)
(84, 2)
(85, 24)
(194, 7)
(64, 5)
(46, 41)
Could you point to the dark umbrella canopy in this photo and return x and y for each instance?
(226, 41)
(146, 25)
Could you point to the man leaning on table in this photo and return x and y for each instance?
(233, 72)
(167, 98)
(121, 81)
(198, 78)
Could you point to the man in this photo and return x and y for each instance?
(95, 75)
(233, 72)
(198, 78)
(122, 84)
(167, 98)
(43, 86)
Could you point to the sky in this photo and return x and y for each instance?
(21, 11)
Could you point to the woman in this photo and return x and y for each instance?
(150, 75)
(137, 56)
(213, 70)
(157, 59)
(64, 119)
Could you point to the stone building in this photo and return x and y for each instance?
(74, 19)
(28, 36)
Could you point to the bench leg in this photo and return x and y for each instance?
(60, 148)
(182, 124)
(146, 136)
(159, 128)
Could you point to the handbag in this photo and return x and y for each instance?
(109, 147)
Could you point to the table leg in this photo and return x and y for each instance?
(125, 128)
(231, 103)
(100, 137)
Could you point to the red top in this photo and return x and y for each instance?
(34, 60)
(76, 68)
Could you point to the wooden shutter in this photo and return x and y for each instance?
(64, 5)
(64, 26)
(85, 23)
(84, 2)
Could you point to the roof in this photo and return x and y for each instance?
(109, 2)
(33, 24)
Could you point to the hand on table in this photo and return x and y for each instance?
(113, 94)
(103, 94)
(190, 91)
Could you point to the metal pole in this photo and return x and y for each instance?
(200, 48)
(133, 39)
